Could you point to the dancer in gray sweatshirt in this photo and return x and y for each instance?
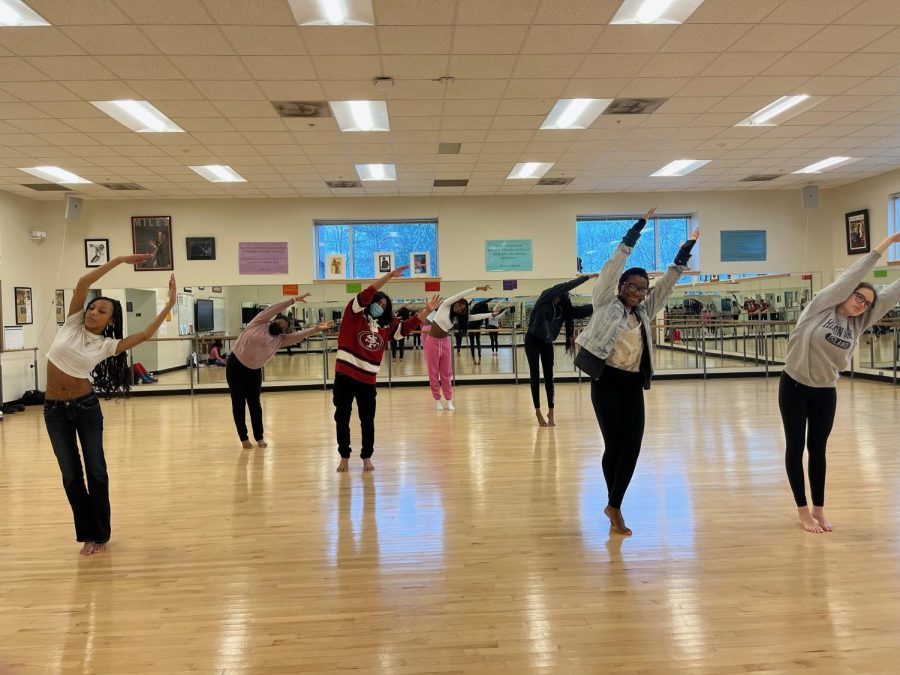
(819, 348)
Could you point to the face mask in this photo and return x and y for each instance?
(275, 330)
(376, 310)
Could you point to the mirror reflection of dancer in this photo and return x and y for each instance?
(367, 326)
(620, 334)
(90, 346)
(454, 311)
(552, 310)
(819, 348)
(255, 346)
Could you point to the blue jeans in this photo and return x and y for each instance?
(90, 506)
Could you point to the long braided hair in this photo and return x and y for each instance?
(112, 377)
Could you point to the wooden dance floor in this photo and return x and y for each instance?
(477, 546)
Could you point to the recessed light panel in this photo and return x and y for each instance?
(218, 173)
(17, 13)
(575, 113)
(138, 116)
(655, 11)
(333, 12)
(681, 167)
(376, 172)
(826, 164)
(361, 115)
(781, 110)
(529, 170)
(54, 174)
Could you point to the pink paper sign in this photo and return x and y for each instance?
(263, 257)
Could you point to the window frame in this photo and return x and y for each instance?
(693, 263)
(350, 222)
(893, 226)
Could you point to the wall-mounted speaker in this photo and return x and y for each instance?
(74, 205)
(811, 197)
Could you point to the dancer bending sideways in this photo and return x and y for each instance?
(454, 311)
(367, 327)
(87, 357)
(255, 346)
(552, 310)
(819, 348)
(619, 342)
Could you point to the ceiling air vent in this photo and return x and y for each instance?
(760, 177)
(342, 184)
(451, 182)
(633, 106)
(449, 148)
(302, 108)
(122, 186)
(46, 187)
(555, 181)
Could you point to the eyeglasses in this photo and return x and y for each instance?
(861, 299)
(634, 288)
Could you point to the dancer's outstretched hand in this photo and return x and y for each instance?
(433, 303)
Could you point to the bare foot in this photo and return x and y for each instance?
(616, 521)
(809, 523)
(100, 548)
(262, 444)
(343, 466)
(367, 465)
(88, 548)
(246, 445)
(540, 417)
(818, 512)
(550, 422)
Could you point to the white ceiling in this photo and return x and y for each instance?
(214, 65)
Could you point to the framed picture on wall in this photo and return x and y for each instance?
(216, 289)
(23, 306)
(153, 235)
(60, 304)
(201, 248)
(335, 266)
(857, 225)
(384, 263)
(420, 264)
(96, 252)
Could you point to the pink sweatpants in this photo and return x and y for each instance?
(438, 352)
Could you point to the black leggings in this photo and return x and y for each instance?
(803, 407)
(494, 336)
(538, 350)
(244, 385)
(398, 345)
(618, 398)
(345, 390)
(475, 342)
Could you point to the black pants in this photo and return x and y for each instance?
(536, 350)
(345, 390)
(457, 336)
(398, 345)
(475, 342)
(805, 407)
(618, 398)
(244, 385)
(494, 336)
(417, 339)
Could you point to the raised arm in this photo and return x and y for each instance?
(135, 339)
(462, 294)
(662, 289)
(566, 286)
(272, 311)
(606, 287)
(890, 296)
(393, 274)
(289, 339)
(84, 283)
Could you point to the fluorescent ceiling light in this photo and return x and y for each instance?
(655, 11)
(333, 12)
(369, 172)
(55, 175)
(826, 164)
(218, 173)
(681, 167)
(526, 170)
(17, 13)
(575, 113)
(764, 116)
(361, 115)
(138, 116)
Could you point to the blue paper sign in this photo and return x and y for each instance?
(742, 245)
(508, 255)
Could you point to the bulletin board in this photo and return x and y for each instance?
(184, 312)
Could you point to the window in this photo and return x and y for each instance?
(359, 241)
(894, 226)
(660, 240)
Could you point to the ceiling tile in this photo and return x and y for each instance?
(547, 65)
(560, 39)
(713, 86)
(414, 39)
(37, 41)
(165, 11)
(595, 88)
(577, 12)
(883, 86)
(166, 90)
(100, 40)
(190, 108)
(250, 12)
(83, 12)
(453, 108)
(743, 63)
(231, 68)
(505, 12)
(413, 66)
(864, 64)
(60, 109)
(845, 39)
(889, 43)
(830, 86)
(704, 37)
(200, 40)
(102, 90)
(462, 66)
(547, 88)
(346, 40)
(679, 65)
(265, 40)
(292, 90)
(803, 63)
(14, 69)
(230, 90)
(71, 67)
(348, 68)
(612, 65)
(652, 87)
(245, 108)
(413, 12)
(142, 68)
(488, 39)
(800, 11)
